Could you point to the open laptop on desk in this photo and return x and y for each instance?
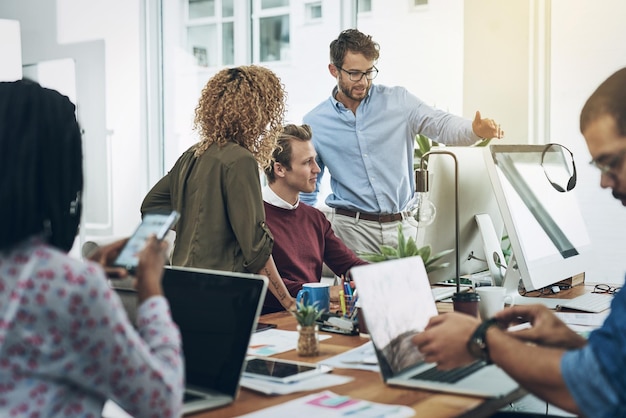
(217, 313)
(397, 303)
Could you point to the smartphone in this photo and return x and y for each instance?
(152, 223)
(282, 371)
(262, 326)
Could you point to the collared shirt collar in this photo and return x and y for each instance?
(273, 199)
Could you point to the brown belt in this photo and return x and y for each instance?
(383, 218)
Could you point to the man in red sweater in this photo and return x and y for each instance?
(303, 237)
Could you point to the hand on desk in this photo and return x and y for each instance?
(547, 329)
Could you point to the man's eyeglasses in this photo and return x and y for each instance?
(358, 75)
(559, 167)
(609, 163)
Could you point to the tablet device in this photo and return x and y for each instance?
(282, 371)
(152, 223)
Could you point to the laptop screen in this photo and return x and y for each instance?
(397, 304)
(216, 313)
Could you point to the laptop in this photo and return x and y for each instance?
(217, 312)
(397, 303)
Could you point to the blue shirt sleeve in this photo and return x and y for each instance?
(590, 388)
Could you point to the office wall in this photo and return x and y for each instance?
(103, 38)
(10, 50)
(587, 45)
(543, 58)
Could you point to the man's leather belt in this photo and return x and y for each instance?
(382, 218)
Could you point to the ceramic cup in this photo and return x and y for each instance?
(492, 300)
(466, 302)
(315, 293)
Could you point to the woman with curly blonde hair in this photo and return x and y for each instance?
(215, 184)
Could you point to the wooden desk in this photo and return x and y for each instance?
(367, 385)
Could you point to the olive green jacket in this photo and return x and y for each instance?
(222, 223)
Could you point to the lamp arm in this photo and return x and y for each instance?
(456, 208)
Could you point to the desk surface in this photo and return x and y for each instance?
(369, 385)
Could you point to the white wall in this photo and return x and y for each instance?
(10, 50)
(103, 37)
(588, 46)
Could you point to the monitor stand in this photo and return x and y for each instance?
(492, 246)
(511, 284)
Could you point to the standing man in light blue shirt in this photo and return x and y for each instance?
(364, 135)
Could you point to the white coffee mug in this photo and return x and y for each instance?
(492, 300)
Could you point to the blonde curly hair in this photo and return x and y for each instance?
(245, 105)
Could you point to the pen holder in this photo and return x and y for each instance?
(350, 301)
(360, 318)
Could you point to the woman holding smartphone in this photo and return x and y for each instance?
(66, 344)
(215, 184)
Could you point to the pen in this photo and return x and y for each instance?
(342, 301)
(347, 289)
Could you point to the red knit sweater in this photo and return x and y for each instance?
(303, 241)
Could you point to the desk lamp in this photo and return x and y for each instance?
(422, 187)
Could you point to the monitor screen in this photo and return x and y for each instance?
(475, 196)
(545, 226)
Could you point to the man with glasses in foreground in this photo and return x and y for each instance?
(548, 359)
(365, 135)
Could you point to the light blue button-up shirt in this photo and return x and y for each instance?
(370, 155)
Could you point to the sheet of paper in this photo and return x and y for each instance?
(274, 341)
(330, 405)
(313, 383)
(113, 410)
(587, 319)
(362, 358)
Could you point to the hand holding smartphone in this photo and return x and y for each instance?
(152, 223)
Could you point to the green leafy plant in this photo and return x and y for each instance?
(306, 314)
(408, 248)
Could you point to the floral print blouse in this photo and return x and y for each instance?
(66, 344)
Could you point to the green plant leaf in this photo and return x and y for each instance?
(424, 252)
(436, 257)
(306, 314)
(431, 268)
(411, 248)
(372, 257)
(389, 251)
(483, 142)
(401, 242)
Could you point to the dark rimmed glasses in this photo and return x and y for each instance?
(607, 164)
(558, 165)
(605, 288)
(358, 75)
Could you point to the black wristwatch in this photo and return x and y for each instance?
(477, 344)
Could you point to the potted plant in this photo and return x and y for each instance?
(308, 338)
(408, 248)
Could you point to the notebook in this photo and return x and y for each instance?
(397, 303)
(217, 313)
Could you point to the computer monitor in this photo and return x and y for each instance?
(475, 197)
(545, 226)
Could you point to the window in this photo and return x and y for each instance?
(364, 6)
(313, 11)
(271, 29)
(211, 32)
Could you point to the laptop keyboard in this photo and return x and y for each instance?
(449, 376)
